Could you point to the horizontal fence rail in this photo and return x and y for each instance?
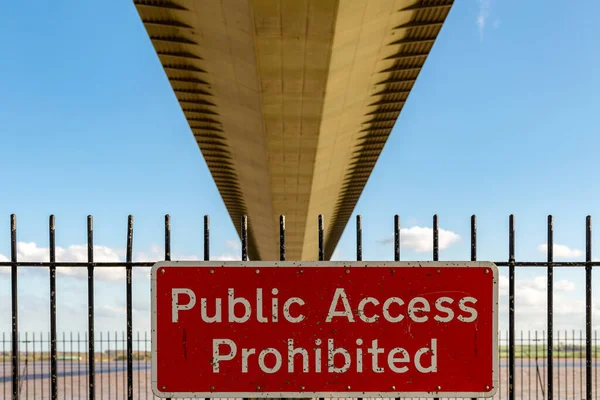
(534, 364)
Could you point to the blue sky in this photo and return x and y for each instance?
(503, 119)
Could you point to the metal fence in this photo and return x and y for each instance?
(111, 365)
(547, 377)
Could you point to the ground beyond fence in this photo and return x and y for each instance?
(111, 365)
(120, 373)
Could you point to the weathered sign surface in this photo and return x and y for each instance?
(359, 329)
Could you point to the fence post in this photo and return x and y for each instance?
(15, 307)
(244, 238)
(511, 308)
(359, 248)
(129, 295)
(206, 238)
(474, 250)
(321, 249)
(168, 241)
(396, 237)
(244, 229)
(550, 315)
(436, 246)
(321, 242)
(53, 366)
(91, 357)
(588, 308)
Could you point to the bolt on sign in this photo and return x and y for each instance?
(324, 329)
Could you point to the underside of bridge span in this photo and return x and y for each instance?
(291, 101)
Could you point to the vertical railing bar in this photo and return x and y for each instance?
(91, 352)
(281, 238)
(102, 369)
(581, 369)
(573, 360)
(42, 363)
(506, 335)
(24, 380)
(15, 307)
(109, 363)
(511, 308)
(206, 238)
(244, 229)
(397, 245)
(167, 258)
(473, 237)
(588, 308)
(64, 365)
(71, 359)
(436, 239)
(545, 364)
(558, 372)
(124, 363)
(167, 237)
(536, 364)
(34, 367)
(321, 242)
(528, 363)
(550, 315)
(320, 230)
(474, 245)
(53, 367)
(436, 243)
(521, 361)
(396, 237)
(41, 346)
(244, 238)
(359, 247)
(116, 367)
(129, 295)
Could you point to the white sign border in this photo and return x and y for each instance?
(347, 264)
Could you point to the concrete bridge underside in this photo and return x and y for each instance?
(292, 101)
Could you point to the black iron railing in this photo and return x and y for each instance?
(91, 340)
(530, 378)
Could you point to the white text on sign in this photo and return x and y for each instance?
(324, 356)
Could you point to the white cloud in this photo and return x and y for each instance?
(233, 244)
(227, 257)
(233, 252)
(561, 251)
(31, 252)
(154, 254)
(483, 15)
(531, 303)
(420, 239)
(4, 270)
(110, 311)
